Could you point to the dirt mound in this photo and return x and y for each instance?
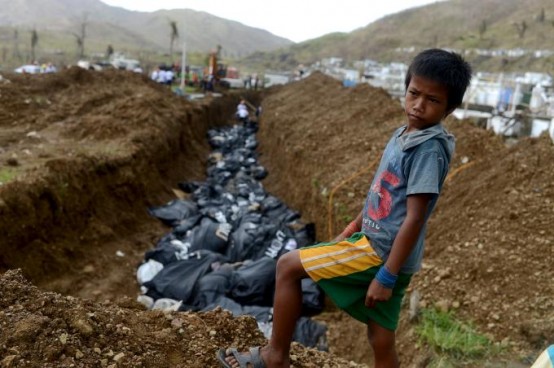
(330, 132)
(44, 329)
(489, 246)
(82, 154)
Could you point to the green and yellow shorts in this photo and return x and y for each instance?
(344, 271)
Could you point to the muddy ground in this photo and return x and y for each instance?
(83, 154)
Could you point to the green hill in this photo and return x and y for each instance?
(455, 24)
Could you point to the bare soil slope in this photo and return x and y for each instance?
(490, 242)
(82, 155)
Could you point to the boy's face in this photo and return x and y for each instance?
(426, 103)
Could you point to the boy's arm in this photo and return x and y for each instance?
(402, 246)
(409, 231)
(351, 228)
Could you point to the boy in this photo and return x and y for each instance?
(368, 267)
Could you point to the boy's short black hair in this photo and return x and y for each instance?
(447, 68)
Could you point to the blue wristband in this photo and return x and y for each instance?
(385, 278)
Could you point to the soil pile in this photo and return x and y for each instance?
(490, 242)
(44, 329)
(82, 155)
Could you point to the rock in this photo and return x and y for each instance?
(33, 134)
(414, 305)
(82, 326)
(177, 323)
(442, 305)
(12, 161)
(88, 269)
(8, 361)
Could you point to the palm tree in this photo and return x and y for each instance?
(34, 42)
(174, 35)
(16, 53)
(80, 45)
(521, 28)
(109, 51)
(80, 38)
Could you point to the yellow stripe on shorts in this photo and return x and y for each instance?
(338, 259)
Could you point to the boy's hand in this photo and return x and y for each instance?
(376, 293)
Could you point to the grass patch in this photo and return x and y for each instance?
(452, 340)
(7, 175)
(315, 183)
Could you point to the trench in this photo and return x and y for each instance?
(64, 229)
(83, 229)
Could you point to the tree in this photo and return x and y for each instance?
(173, 36)
(109, 51)
(34, 42)
(4, 54)
(521, 28)
(16, 53)
(80, 38)
(80, 45)
(482, 28)
(542, 16)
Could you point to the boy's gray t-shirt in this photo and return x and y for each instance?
(412, 163)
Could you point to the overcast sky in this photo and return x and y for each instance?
(297, 20)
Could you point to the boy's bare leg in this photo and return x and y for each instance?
(287, 306)
(383, 343)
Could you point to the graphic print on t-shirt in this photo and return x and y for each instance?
(385, 200)
(379, 204)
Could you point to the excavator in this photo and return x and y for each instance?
(217, 69)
